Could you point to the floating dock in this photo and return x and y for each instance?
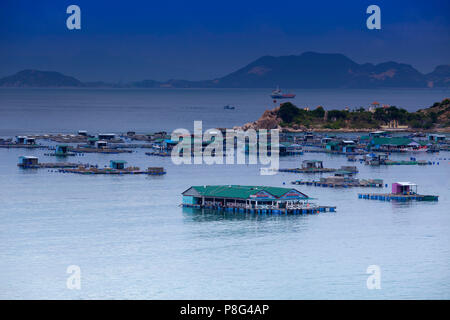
(117, 167)
(407, 162)
(309, 166)
(401, 191)
(308, 170)
(158, 154)
(293, 210)
(316, 166)
(100, 150)
(344, 184)
(397, 197)
(62, 150)
(17, 145)
(29, 162)
(94, 170)
(382, 159)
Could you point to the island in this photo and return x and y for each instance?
(288, 117)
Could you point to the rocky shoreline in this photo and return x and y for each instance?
(270, 119)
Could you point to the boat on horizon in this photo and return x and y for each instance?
(228, 107)
(278, 94)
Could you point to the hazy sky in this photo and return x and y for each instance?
(135, 40)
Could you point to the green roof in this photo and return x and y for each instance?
(238, 191)
(392, 141)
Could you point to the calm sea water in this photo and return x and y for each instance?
(69, 110)
(132, 240)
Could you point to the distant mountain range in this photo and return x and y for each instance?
(308, 70)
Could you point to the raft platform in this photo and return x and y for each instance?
(97, 150)
(308, 170)
(48, 165)
(25, 146)
(158, 154)
(362, 183)
(407, 162)
(266, 210)
(157, 171)
(397, 197)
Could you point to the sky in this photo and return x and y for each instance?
(132, 40)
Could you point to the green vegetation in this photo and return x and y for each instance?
(435, 116)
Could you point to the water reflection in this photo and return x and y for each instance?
(205, 215)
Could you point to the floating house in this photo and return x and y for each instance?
(19, 142)
(92, 141)
(62, 150)
(31, 141)
(333, 146)
(101, 144)
(373, 159)
(117, 164)
(294, 149)
(351, 169)
(344, 146)
(253, 199)
(348, 146)
(106, 136)
(404, 188)
(82, 133)
(378, 134)
(21, 139)
(309, 166)
(308, 136)
(25, 140)
(396, 144)
(325, 140)
(339, 181)
(312, 164)
(437, 137)
(383, 159)
(28, 162)
(401, 191)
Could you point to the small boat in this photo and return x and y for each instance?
(277, 94)
(228, 107)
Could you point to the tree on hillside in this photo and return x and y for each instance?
(288, 112)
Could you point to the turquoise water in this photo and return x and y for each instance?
(132, 240)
